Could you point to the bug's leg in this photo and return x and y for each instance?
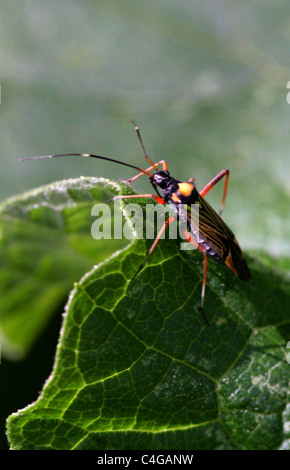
(192, 240)
(159, 235)
(203, 287)
(158, 199)
(213, 182)
(164, 168)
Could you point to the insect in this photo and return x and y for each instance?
(214, 240)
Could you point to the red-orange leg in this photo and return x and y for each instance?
(213, 182)
(136, 196)
(192, 240)
(159, 235)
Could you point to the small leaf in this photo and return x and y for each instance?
(46, 245)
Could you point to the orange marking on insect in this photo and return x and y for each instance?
(230, 264)
(175, 198)
(185, 188)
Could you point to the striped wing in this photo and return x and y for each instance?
(217, 238)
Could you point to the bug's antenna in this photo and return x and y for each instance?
(145, 172)
(142, 144)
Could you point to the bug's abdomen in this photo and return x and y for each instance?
(219, 241)
(208, 228)
(229, 253)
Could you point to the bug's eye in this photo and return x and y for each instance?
(158, 179)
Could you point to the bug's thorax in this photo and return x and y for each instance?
(178, 192)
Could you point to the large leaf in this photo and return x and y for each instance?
(137, 368)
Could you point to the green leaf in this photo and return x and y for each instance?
(137, 368)
(45, 246)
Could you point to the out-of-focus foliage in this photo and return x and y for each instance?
(205, 80)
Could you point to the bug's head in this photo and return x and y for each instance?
(160, 179)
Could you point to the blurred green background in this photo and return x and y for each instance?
(206, 81)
